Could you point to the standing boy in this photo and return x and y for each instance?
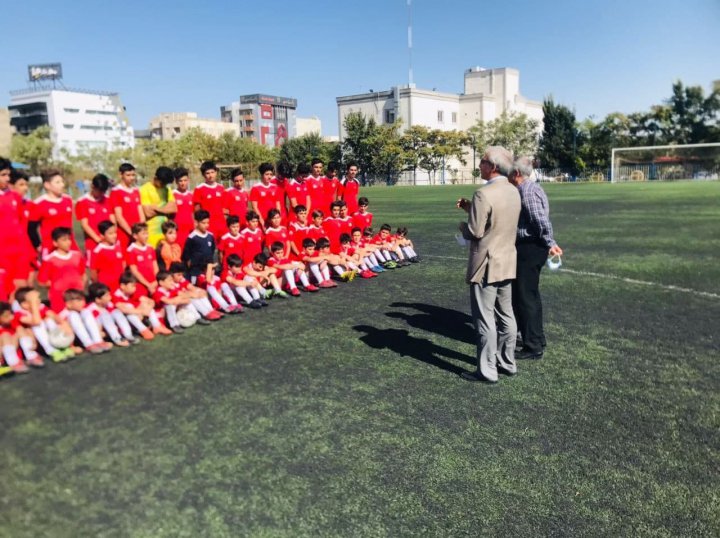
(184, 202)
(125, 203)
(62, 269)
(209, 196)
(91, 210)
(264, 195)
(141, 260)
(235, 202)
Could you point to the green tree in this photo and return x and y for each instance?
(558, 143)
(387, 158)
(414, 143)
(34, 149)
(514, 131)
(360, 143)
(688, 117)
(307, 147)
(442, 146)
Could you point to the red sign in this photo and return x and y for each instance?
(266, 112)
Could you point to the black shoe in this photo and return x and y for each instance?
(203, 321)
(475, 377)
(414, 259)
(503, 371)
(178, 330)
(255, 304)
(263, 302)
(525, 355)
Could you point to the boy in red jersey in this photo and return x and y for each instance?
(15, 252)
(297, 192)
(298, 230)
(346, 222)
(107, 262)
(26, 265)
(137, 307)
(198, 296)
(219, 291)
(184, 201)
(168, 300)
(281, 181)
(91, 210)
(275, 232)
(62, 269)
(332, 226)
(389, 246)
(253, 237)
(125, 203)
(231, 242)
(34, 315)
(264, 196)
(314, 184)
(235, 200)
(23, 332)
(406, 245)
(83, 322)
(141, 260)
(109, 318)
(266, 276)
(317, 263)
(210, 197)
(331, 184)
(315, 230)
(11, 333)
(52, 210)
(365, 250)
(248, 288)
(362, 218)
(288, 270)
(345, 270)
(353, 258)
(350, 188)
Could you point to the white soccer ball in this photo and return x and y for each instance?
(60, 339)
(186, 317)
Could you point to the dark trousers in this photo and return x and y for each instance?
(527, 303)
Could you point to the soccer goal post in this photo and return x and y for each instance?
(665, 163)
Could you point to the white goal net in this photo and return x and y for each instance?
(666, 163)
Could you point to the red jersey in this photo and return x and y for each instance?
(332, 227)
(161, 293)
(211, 199)
(252, 243)
(317, 194)
(346, 225)
(362, 220)
(13, 239)
(299, 191)
(96, 310)
(51, 214)
(330, 191)
(298, 232)
(63, 272)
(128, 200)
(95, 211)
(281, 185)
(144, 258)
(202, 281)
(347, 249)
(279, 234)
(237, 275)
(349, 191)
(121, 298)
(315, 232)
(183, 285)
(184, 215)
(231, 244)
(266, 197)
(108, 262)
(235, 202)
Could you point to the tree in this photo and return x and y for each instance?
(34, 149)
(514, 131)
(688, 117)
(387, 156)
(558, 143)
(414, 144)
(442, 146)
(307, 147)
(360, 142)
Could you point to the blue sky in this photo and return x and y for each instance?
(596, 56)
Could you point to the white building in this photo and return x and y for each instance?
(305, 126)
(171, 125)
(79, 119)
(487, 94)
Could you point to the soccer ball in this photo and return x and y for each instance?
(60, 339)
(186, 317)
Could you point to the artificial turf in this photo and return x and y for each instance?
(342, 414)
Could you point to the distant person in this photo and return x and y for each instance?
(350, 188)
(491, 227)
(158, 203)
(535, 243)
(210, 196)
(125, 203)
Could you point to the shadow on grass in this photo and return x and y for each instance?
(445, 322)
(399, 341)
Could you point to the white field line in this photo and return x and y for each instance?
(668, 287)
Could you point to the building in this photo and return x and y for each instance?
(487, 94)
(170, 125)
(6, 132)
(79, 119)
(267, 119)
(304, 126)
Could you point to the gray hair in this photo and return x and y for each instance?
(524, 166)
(501, 158)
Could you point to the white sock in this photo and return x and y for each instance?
(41, 335)
(190, 307)
(215, 294)
(123, 324)
(10, 355)
(304, 280)
(154, 320)
(255, 294)
(244, 295)
(338, 269)
(290, 277)
(136, 322)
(315, 269)
(202, 306)
(80, 330)
(352, 266)
(277, 287)
(326, 273)
(50, 324)
(110, 327)
(378, 255)
(387, 255)
(171, 315)
(228, 293)
(27, 344)
(263, 292)
(400, 254)
(410, 252)
(92, 326)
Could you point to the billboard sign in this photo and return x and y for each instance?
(44, 72)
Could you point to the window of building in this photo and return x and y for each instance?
(68, 125)
(102, 112)
(91, 127)
(280, 113)
(454, 117)
(440, 116)
(71, 110)
(389, 116)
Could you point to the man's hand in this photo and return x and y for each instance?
(555, 250)
(463, 203)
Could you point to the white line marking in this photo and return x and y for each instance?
(668, 287)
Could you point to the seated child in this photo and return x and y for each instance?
(317, 264)
(110, 319)
(265, 275)
(377, 250)
(83, 322)
(248, 288)
(275, 232)
(365, 251)
(141, 259)
(288, 270)
(168, 250)
(37, 317)
(298, 229)
(15, 333)
(316, 230)
(344, 269)
(219, 291)
(137, 307)
(168, 299)
(352, 257)
(107, 262)
(9, 339)
(230, 243)
(391, 250)
(406, 245)
(62, 269)
(198, 297)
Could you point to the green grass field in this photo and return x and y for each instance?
(342, 413)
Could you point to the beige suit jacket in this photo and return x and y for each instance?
(491, 229)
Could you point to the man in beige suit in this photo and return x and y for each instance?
(491, 229)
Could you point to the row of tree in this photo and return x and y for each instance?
(384, 151)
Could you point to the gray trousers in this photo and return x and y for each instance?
(495, 327)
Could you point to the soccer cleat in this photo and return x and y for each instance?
(326, 284)
(346, 276)
(4, 370)
(312, 288)
(238, 308)
(367, 274)
(377, 269)
(295, 292)
(59, 355)
(20, 368)
(106, 346)
(281, 294)
(95, 349)
(122, 343)
(203, 321)
(213, 315)
(230, 310)
(263, 302)
(269, 294)
(178, 330)
(255, 304)
(134, 340)
(390, 265)
(415, 259)
(36, 362)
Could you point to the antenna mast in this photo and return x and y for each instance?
(410, 69)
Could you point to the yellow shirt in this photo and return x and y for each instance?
(151, 195)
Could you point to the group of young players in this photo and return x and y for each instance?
(163, 258)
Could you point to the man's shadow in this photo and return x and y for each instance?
(421, 349)
(452, 324)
